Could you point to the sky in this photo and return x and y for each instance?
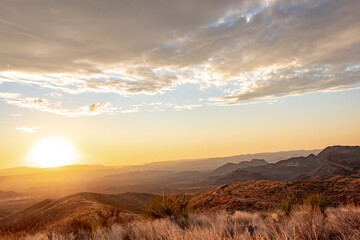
(131, 82)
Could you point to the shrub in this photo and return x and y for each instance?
(172, 206)
(287, 206)
(79, 225)
(317, 202)
(341, 223)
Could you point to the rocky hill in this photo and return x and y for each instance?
(75, 212)
(342, 160)
(266, 194)
(334, 160)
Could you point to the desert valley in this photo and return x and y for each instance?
(84, 201)
(179, 120)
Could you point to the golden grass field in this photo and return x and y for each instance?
(303, 223)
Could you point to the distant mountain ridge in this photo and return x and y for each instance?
(209, 164)
(229, 167)
(179, 176)
(342, 160)
(333, 160)
(174, 165)
(33, 170)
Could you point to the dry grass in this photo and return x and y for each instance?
(338, 192)
(287, 206)
(317, 202)
(303, 223)
(172, 206)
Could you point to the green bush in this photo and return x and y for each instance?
(317, 202)
(172, 206)
(287, 206)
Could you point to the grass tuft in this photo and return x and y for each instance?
(168, 206)
(317, 202)
(287, 206)
(303, 223)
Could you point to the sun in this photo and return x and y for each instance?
(53, 152)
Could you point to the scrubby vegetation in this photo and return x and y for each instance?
(172, 206)
(338, 192)
(287, 205)
(303, 223)
(174, 217)
(317, 202)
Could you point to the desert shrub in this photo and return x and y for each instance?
(168, 206)
(341, 223)
(317, 202)
(287, 206)
(80, 224)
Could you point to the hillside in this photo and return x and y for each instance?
(82, 210)
(4, 213)
(344, 160)
(90, 211)
(55, 182)
(266, 194)
(230, 167)
(10, 194)
(240, 175)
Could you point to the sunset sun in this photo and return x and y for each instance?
(53, 152)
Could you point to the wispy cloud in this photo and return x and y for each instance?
(8, 95)
(181, 107)
(16, 115)
(55, 95)
(28, 129)
(92, 110)
(280, 82)
(44, 105)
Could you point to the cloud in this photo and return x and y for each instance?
(250, 50)
(8, 95)
(28, 129)
(16, 115)
(133, 110)
(32, 103)
(293, 81)
(135, 80)
(189, 107)
(92, 110)
(43, 105)
(55, 95)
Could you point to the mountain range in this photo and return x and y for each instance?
(334, 160)
(64, 199)
(22, 187)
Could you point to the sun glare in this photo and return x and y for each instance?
(53, 152)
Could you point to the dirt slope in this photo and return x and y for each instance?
(75, 212)
(266, 194)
